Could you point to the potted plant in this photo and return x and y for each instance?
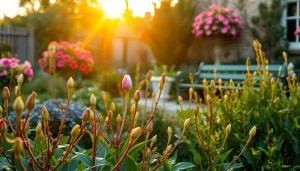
(155, 79)
(218, 24)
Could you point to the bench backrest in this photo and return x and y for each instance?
(227, 72)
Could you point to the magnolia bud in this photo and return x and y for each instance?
(170, 131)
(18, 107)
(135, 132)
(137, 96)
(17, 147)
(208, 98)
(154, 149)
(252, 132)
(132, 110)
(45, 114)
(168, 149)
(149, 75)
(107, 120)
(142, 84)
(119, 120)
(153, 140)
(294, 77)
(126, 83)
(191, 91)
(136, 118)
(248, 62)
(92, 116)
(6, 93)
(103, 97)
(225, 97)
(212, 84)
(38, 128)
(204, 81)
(86, 115)
(70, 83)
(112, 107)
(100, 118)
(231, 83)
(30, 102)
(191, 77)
(75, 131)
(93, 100)
(2, 127)
(179, 99)
(284, 56)
(196, 110)
(153, 94)
(150, 127)
(110, 114)
(186, 124)
(62, 106)
(228, 129)
(20, 80)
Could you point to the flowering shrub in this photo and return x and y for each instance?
(297, 31)
(67, 56)
(10, 69)
(217, 21)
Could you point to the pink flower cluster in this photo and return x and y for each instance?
(217, 21)
(11, 65)
(68, 55)
(297, 32)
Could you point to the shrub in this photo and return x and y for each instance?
(275, 115)
(113, 148)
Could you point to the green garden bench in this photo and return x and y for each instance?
(216, 72)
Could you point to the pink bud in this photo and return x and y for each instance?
(2, 126)
(137, 96)
(126, 83)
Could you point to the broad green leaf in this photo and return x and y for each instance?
(166, 166)
(247, 155)
(101, 150)
(220, 159)
(136, 148)
(99, 162)
(84, 159)
(129, 164)
(124, 145)
(234, 166)
(182, 165)
(71, 165)
(197, 157)
(172, 160)
(295, 141)
(32, 116)
(64, 140)
(108, 149)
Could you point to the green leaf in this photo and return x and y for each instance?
(135, 149)
(166, 166)
(64, 140)
(182, 165)
(295, 141)
(32, 116)
(197, 157)
(234, 166)
(172, 160)
(247, 155)
(71, 165)
(101, 149)
(99, 162)
(108, 149)
(129, 164)
(220, 159)
(84, 159)
(124, 145)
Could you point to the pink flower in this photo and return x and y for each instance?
(66, 58)
(220, 17)
(199, 33)
(29, 72)
(13, 65)
(59, 54)
(208, 32)
(233, 32)
(46, 54)
(26, 64)
(214, 27)
(206, 27)
(73, 65)
(226, 22)
(5, 62)
(224, 30)
(60, 64)
(3, 73)
(209, 20)
(126, 83)
(14, 60)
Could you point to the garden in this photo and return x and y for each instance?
(77, 107)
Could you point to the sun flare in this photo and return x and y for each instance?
(113, 8)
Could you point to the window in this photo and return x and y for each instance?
(292, 22)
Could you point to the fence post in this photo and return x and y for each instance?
(31, 52)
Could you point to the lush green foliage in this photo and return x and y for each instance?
(274, 110)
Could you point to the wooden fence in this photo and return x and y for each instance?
(22, 41)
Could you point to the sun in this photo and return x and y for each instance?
(113, 8)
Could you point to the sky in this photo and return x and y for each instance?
(113, 7)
